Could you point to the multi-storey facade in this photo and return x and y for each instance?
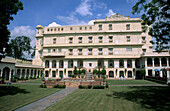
(116, 43)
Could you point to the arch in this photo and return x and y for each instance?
(129, 74)
(47, 64)
(156, 62)
(23, 72)
(27, 72)
(6, 72)
(54, 64)
(111, 63)
(35, 73)
(121, 74)
(100, 63)
(60, 73)
(12, 73)
(46, 73)
(149, 62)
(137, 63)
(53, 73)
(70, 73)
(150, 72)
(70, 64)
(129, 63)
(80, 63)
(111, 74)
(31, 72)
(121, 63)
(61, 64)
(164, 61)
(18, 72)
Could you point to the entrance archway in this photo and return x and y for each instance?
(6, 73)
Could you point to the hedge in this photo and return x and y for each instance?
(98, 87)
(59, 86)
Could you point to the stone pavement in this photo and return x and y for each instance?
(47, 101)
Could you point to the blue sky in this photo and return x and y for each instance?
(64, 12)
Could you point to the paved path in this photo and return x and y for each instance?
(141, 85)
(47, 101)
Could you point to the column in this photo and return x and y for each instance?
(161, 74)
(106, 63)
(146, 62)
(167, 62)
(153, 73)
(10, 75)
(57, 64)
(125, 63)
(20, 73)
(153, 64)
(50, 63)
(160, 62)
(75, 63)
(65, 63)
(133, 63)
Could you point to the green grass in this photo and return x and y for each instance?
(33, 81)
(20, 95)
(116, 98)
(125, 82)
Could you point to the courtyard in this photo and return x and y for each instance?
(130, 98)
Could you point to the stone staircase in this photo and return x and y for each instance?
(89, 75)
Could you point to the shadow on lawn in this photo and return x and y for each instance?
(11, 90)
(156, 98)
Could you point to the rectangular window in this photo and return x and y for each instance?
(90, 51)
(90, 27)
(70, 51)
(70, 40)
(100, 51)
(90, 39)
(128, 38)
(110, 39)
(110, 26)
(100, 39)
(54, 40)
(100, 27)
(80, 28)
(143, 39)
(80, 52)
(90, 64)
(127, 26)
(49, 50)
(128, 49)
(80, 39)
(54, 50)
(71, 28)
(59, 50)
(110, 51)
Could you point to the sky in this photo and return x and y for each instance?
(64, 12)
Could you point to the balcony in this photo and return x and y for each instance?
(70, 42)
(80, 53)
(54, 54)
(100, 53)
(100, 41)
(90, 53)
(80, 41)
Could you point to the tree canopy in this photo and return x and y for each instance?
(8, 8)
(19, 46)
(156, 15)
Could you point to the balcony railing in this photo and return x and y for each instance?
(80, 53)
(54, 54)
(100, 41)
(70, 53)
(80, 41)
(100, 53)
(90, 41)
(70, 42)
(90, 53)
(110, 53)
(110, 41)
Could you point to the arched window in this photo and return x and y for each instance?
(69, 73)
(149, 62)
(156, 62)
(61, 64)
(111, 63)
(121, 74)
(46, 64)
(121, 63)
(46, 74)
(54, 64)
(80, 63)
(70, 64)
(23, 72)
(164, 62)
(129, 63)
(137, 63)
(18, 72)
(100, 63)
(129, 74)
(111, 74)
(54, 73)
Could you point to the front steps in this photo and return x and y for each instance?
(89, 75)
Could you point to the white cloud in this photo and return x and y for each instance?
(84, 8)
(110, 13)
(91, 22)
(27, 31)
(99, 15)
(132, 1)
(71, 20)
(99, 5)
(53, 24)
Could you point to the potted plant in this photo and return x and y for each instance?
(103, 72)
(75, 71)
(98, 72)
(72, 75)
(82, 75)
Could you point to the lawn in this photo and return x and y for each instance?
(116, 98)
(33, 81)
(21, 94)
(125, 82)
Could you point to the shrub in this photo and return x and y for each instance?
(95, 71)
(26, 78)
(107, 85)
(38, 77)
(43, 86)
(98, 87)
(89, 86)
(22, 78)
(30, 77)
(59, 86)
(82, 87)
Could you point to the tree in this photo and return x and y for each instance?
(156, 15)
(8, 8)
(19, 46)
(33, 53)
